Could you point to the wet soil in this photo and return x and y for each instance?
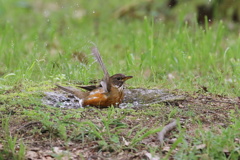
(134, 98)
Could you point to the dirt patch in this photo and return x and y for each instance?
(134, 98)
(119, 133)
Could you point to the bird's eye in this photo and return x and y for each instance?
(118, 78)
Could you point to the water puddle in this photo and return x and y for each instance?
(134, 98)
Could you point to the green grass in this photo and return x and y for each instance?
(218, 146)
(37, 44)
(39, 48)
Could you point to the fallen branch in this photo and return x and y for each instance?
(165, 130)
(29, 124)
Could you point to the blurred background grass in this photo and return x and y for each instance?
(169, 44)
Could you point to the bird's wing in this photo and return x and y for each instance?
(88, 87)
(105, 82)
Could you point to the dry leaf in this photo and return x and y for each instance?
(237, 140)
(125, 142)
(31, 155)
(151, 157)
(200, 146)
(57, 150)
(166, 149)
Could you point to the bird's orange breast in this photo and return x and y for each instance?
(101, 99)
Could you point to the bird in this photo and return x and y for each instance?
(109, 92)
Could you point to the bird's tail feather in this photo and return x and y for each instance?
(67, 89)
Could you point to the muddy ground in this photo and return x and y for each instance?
(142, 108)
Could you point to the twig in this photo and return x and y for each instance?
(215, 101)
(222, 102)
(33, 123)
(165, 130)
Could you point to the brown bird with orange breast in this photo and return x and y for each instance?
(109, 92)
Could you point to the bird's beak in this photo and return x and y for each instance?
(127, 77)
